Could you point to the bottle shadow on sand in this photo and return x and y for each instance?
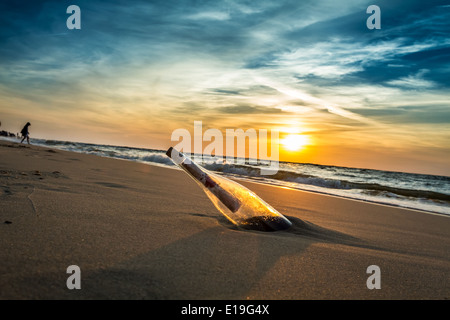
(209, 264)
(304, 229)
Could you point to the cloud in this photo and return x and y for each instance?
(417, 114)
(415, 81)
(314, 101)
(212, 15)
(248, 109)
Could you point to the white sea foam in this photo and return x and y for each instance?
(416, 191)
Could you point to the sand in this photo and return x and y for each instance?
(138, 231)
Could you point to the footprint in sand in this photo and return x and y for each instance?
(7, 190)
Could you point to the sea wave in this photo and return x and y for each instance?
(415, 191)
(303, 179)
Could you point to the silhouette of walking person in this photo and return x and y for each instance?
(25, 133)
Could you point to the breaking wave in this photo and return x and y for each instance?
(416, 191)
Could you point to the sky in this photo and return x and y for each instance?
(138, 70)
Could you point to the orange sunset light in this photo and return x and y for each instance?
(295, 142)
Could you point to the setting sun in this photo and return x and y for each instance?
(295, 142)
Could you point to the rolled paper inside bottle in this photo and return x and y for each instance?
(265, 223)
(230, 201)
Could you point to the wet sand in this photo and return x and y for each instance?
(146, 232)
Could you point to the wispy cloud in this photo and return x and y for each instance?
(264, 62)
(415, 81)
(211, 15)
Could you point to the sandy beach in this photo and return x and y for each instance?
(146, 232)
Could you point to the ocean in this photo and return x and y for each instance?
(430, 193)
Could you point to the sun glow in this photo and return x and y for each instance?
(295, 142)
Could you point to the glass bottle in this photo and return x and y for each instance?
(237, 203)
